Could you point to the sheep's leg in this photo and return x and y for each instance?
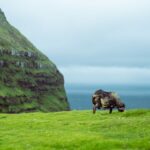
(94, 108)
(110, 110)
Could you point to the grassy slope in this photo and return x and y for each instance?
(12, 39)
(76, 130)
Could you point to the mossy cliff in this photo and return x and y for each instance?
(29, 81)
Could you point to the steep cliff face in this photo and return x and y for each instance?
(29, 81)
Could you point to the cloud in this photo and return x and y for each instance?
(85, 32)
(105, 75)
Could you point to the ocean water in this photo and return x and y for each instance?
(134, 96)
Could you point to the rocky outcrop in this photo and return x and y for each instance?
(29, 81)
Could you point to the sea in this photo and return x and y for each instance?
(134, 96)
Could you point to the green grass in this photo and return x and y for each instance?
(76, 130)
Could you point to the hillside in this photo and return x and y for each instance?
(76, 130)
(29, 81)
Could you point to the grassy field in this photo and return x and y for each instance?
(76, 130)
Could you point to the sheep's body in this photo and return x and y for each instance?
(107, 100)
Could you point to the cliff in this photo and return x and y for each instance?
(29, 81)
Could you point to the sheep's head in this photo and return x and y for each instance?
(121, 107)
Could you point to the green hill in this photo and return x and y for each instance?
(76, 130)
(29, 81)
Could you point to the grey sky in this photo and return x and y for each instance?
(102, 34)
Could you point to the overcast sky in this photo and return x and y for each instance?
(103, 41)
